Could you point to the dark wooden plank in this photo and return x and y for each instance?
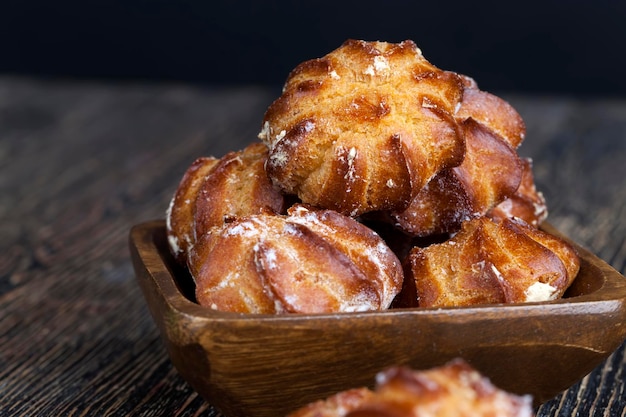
(75, 333)
(81, 163)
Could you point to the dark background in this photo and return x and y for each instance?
(563, 47)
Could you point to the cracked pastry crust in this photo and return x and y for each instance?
(213, 190)
(452, 390)
(488, 263)
(364, 128)
(308, 261)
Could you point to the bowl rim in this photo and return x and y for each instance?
(142, 239)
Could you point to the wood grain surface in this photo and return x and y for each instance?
(80, 163)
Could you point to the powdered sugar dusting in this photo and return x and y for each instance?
(172, 240)
(366, 305)
(540, 291)
(270, 258)
(280, 155)
(379, 67)
(381, 64)
(497, 273)
(541, 210)
(279, 159)
(309, 126)
(228, 281)
(305, 217)
(264, 134)
(280, 136)
(350, 174)
(246, 229)
(168, 215)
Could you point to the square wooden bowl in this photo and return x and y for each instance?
(268, 365)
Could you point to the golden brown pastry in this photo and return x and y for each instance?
(452, 390)
(309, 261)
(492, 112)
(490, 173)
(364, 128)
(489, 262)
(180, 213)
(527, 203)
(213, 190)
(371, 131)
(238, 186)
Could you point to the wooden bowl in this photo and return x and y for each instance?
(268, 365)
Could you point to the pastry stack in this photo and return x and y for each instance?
(378, 181)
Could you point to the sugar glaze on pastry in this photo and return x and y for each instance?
(308, 261)
(490, 173)
(213, 190)
(363, 128)
(490, 262)
(371, 136)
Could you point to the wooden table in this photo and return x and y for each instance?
(80, 163)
